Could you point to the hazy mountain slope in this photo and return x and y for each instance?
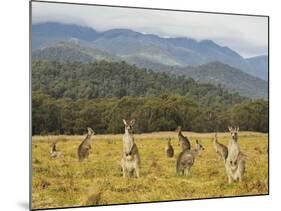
(214, 73)
(129, 44)
(137, 47)
(44, 34)
(68, 51)
(230, 78)
(259, 66)
(63, 42)
(170, 51)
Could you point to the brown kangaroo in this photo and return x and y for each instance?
(183, 140)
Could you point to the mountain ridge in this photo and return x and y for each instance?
(213, 72)
(182, 50)
(177, 55)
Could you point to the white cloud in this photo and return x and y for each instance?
(248, 35)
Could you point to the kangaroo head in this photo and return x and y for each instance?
(129, 126)
(199, 146)
(234, 132)
(54, 147)
(215, 139)
(90, 131)
(178, 129)
(179, 132)
(169, 141)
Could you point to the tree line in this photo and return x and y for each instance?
(162, 113)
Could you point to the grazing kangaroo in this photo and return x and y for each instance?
(235, 162)
(54, 153)
(169, 149)
(186, 159)
(183, 141)
(220, 149)
(85, 146)
(130, 161)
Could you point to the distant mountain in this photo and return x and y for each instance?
(181, 51)
(147, 48)
(259, 66)
(230, 78)
(214, 73)
(71, 52)
(204, 61)
(44, 34)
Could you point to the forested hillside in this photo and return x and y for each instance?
(119, 79)
(71, 52)
(231, 78)
(68, 97)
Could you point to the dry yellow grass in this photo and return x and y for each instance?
(65, 182)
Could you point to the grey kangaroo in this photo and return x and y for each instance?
(85, 146)
(130, 161)
(186, 159)
(169, 149)
(54, 153)
(235, 162)
(220, 149)
(183, 141)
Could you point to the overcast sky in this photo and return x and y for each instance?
(247, 35)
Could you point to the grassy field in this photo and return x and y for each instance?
(66, 182)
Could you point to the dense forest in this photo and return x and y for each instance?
(68, 97)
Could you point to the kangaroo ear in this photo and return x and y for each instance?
(237, 129)
(124, 121)
(230, 129)
(132, 122)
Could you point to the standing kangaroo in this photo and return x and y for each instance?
(183, 141)
(130, 161)
(235, 162)
(169, 149)
(186, 159)
(220, 149)
(85, 146)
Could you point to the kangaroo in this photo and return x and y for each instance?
(186, 159)
(130, 161)
(183, 141)
(54, 153)
(85, 146)
(169, 149)
(220, 149)
(235, 162)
